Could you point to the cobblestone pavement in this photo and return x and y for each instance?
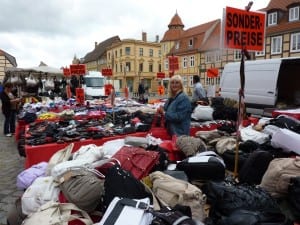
(11, 164)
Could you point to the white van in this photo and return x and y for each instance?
(93, 85)
(268, 83)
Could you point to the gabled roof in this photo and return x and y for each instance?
(9, 57)
(100, 49)
(200, 35)
(279, 4)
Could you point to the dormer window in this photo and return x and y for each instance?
(272, 18)
(190, 42)
(294, 13)
(177, 45)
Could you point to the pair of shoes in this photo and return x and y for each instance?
(8, 135)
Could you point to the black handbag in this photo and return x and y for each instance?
(121, 183)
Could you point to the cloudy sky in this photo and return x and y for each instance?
(53, 31)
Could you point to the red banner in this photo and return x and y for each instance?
(107, 72)
(160, 75)
(66, 72)
(78, 69)
(212, 72)
(80, 95)
(173, 63)
(244, 29)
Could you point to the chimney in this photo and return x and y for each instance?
(144, 36)
(156, 38)
(96, 44)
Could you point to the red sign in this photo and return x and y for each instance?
(171, 74)
(160, 75)
(173, 63)
(78, 69)
(66, 72)
(80, 95)
(212, 72)
(106, 72)
(244, 29)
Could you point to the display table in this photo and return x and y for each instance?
(43, 153)
(289, 112)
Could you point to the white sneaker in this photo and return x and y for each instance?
(8, 135)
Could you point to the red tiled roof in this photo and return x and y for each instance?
(176, 21)
(199, 34)
(283, 27)
(280, 4)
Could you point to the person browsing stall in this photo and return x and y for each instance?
(9, 109)
(199, 93)
(177, 109)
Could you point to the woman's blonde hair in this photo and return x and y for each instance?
(175, 78)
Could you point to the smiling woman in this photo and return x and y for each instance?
(177, 110)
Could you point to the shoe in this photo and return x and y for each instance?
(8, 135)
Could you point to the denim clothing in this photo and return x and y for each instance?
(178, 114)
(10, 122)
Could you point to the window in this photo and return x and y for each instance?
(262, 53)
(127, 51)
(237, 55)
(128, 67)
(116, 67)
(141, 67)
(121, 53)
(116, 53)
(190, 42)
(159, 53)
(218, 57)
(295, 42)
(209, 57)
(141, 51)
(192, 61)
(177, 45)
(276, 44)
(166, 64)
(272, 18)
(150, 67)
(159, 67)
(184, 62)
(151, 52)
(294, 13)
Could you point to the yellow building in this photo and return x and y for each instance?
(133, 61)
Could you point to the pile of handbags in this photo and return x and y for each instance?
(183, 180)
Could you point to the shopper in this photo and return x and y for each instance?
(9, 109)
(177, 109)
(199, 93)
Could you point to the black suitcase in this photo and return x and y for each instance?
(255, 167)
(203, 166)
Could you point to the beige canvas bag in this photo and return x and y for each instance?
(171, 191)
(57, 213)
(277, 177)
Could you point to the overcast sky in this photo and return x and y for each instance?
(53, 31)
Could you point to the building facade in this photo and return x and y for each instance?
(96, 60)
(282, 30)
(133, 61)
(6, 61)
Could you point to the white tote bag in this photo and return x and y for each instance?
(41, 191)
(128, 216)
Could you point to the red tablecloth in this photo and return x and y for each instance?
(42, 153)
(289, 112)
